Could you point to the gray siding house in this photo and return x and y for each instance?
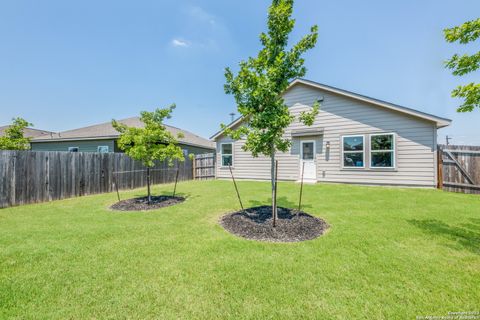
(103, 138)
(355, 139)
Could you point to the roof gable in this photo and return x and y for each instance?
(440, 122)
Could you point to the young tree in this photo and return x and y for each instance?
(260, 82)
(461, 65)
(13, 138)
(150, 143)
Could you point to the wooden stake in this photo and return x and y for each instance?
(149, 195)
(236, 189)
(116, 187)
(176, 179)
(301, 189)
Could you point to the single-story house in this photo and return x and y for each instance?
(28, 132)
(103, 138)
(354, 139)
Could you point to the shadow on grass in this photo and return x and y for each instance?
(466, 236)
(281, 201)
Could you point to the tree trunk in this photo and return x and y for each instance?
(149, 196)
(274, 196)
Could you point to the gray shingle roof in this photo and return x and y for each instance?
(28, 132)
(105, 131)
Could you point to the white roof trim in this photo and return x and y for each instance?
(441, 122)
(231, 125)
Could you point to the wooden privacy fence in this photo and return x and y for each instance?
(459, 168)
(204, 166)
(37, 176)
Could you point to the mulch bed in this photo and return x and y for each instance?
(256, 224)
(141, 204)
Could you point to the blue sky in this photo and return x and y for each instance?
(66, 64)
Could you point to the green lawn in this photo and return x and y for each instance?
(390, 253)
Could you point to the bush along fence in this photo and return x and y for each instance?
(37, 176)
(459, 168)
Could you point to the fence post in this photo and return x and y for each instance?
(439, 167)
(13, 194)
(194, 163)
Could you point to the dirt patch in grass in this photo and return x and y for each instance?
(141, 204)
(256, 224)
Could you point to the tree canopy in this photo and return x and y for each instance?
(258, 85)
(464, 64)
(13, 139)
(153, 141)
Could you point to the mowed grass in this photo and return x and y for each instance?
(390, 253)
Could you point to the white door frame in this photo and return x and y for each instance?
(313, 160)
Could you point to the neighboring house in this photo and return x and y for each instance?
(355, 139)
(103, 138)
(28, 132)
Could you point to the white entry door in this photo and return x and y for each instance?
(307, 160)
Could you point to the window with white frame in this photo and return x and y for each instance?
(102, 149)
(382, 150)
(73, 149)
(227, 154)
(353, 151)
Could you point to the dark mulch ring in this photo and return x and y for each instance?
(140, 204)
(256, 224)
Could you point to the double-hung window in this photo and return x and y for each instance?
(353, 151)
(227, 154)
(382, 150)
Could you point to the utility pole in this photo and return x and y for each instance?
(448, 139)
(232, 116)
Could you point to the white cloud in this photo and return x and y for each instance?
(180, 43)
(203, 30)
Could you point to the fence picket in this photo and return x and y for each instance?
(204, 166)
(461, 168)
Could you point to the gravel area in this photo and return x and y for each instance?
(141, 204)
(256, 224)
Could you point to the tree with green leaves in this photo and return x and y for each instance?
(461, 65)
(260, 82)
(13, 139)
(150, 143)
